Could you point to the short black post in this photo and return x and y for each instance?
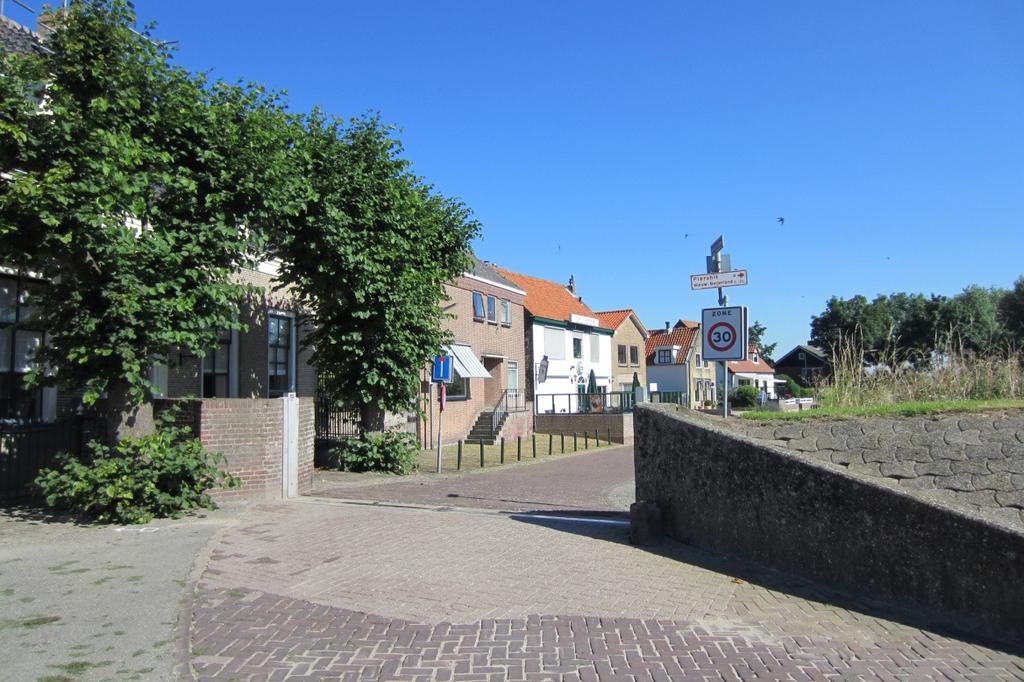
(562, 436)
(609, 436)
(533, 438)
(501, 458)
(586, 440)
(519, 448)
(458, 458)
(481, 453)
(574, 448)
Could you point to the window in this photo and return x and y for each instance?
(622, 353)
(279, 355)
(492, 313)
(513, 376)
(664, 356)
(577, 348)
(634, 355)
(554, 343)
(595, 348)
(698, 363)
(18, 343)
(215, 367)
(478, 305)
(506, 313)
(458, 389)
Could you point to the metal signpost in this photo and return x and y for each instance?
(724, 329)
(441, 374)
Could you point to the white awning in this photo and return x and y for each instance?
(751, 375)
(466, 363)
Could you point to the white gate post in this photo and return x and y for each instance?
(290, 446)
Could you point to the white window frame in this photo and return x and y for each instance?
(292, 337)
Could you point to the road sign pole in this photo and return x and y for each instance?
(440, 418)
(725, 397)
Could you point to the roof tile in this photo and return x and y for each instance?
(545, 298)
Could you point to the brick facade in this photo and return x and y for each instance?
(628, 335)
(497, 346)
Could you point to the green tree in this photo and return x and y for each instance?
(1011, 311)
(128, 195)
(972, 320)
(369, 257)
(755, 335)
(867, 323)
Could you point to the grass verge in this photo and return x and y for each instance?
(907, 409)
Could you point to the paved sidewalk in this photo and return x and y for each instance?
(317, 589)
(600, 480)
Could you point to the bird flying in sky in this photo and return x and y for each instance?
(780, 220)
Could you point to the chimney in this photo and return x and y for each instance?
(667, 326)
(572, 285)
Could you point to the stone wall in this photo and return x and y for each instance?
(867, 535)
(249, 433)
(619, 426)
(974, 461)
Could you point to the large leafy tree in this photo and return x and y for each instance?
(755, 335)
(135, 191)
(368, 257)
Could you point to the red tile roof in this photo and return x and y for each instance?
(750, 367)
(611, 319)
(680, 336)
(547, 299)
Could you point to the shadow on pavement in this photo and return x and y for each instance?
(33, 513)
(614, 527)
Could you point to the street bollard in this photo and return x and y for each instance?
(501, 457)
(574, 448)
(481, 453)
(519, 448)
(533, 438)
(586, 440)
(562, 436)
(458, 458)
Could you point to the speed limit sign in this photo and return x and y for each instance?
(724, 333)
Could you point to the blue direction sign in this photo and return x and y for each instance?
(442, 369)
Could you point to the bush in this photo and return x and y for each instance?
(162, 474)
(744, 396)
(391, 452)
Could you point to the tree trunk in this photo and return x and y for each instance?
(371, 421)
(122, 418)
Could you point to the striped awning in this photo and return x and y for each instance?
(466, 363)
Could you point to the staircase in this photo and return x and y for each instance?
(485, 429)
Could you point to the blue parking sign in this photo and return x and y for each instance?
(442, 369)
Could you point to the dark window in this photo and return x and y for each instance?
(478, 305)
(622, 354)
(215, 367)
(492, 312)
(634, 355)
(664, 357)
(18, 342)
(458, 389)
(279, 347)
(577, 348)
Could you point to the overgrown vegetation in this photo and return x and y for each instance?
(743, 396)
(387, 451)
(162, 474)
(889, 410)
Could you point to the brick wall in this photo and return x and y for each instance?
(248, 432)
(619, 426)
(784, 508)
(628, 335)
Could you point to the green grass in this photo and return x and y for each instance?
(908, 409)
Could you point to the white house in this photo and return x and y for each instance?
(565, 344)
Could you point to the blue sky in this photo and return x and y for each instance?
(616, 140)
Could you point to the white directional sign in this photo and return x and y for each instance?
(724, 333)
(712, 280)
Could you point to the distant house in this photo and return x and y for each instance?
(487, 399)
(805, 364)
(565, 342)
(629, 345)
(675, 363)
(754, 371)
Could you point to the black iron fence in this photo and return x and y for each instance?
(27, 448)
(674, 397)
(613, 402)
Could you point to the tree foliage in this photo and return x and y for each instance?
(129, 194)
(911, 327)
(755, 334)
(368, 257)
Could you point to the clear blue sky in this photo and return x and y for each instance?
(616, 140)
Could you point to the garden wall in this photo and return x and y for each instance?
(866, 535)
(619, 426)
(249, 433)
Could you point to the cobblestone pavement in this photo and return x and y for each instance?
(319, 589)
(594, 481)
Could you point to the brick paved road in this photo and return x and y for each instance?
(595, 481)
(328, 590)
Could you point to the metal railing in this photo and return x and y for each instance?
(613, 402)
(511, 400)
(27, 448)
(673, 397)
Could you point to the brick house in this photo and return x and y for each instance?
(628, 347)
(675, 362)
(488, 398)
(565, 343)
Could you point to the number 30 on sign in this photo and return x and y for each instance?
(724, 333)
